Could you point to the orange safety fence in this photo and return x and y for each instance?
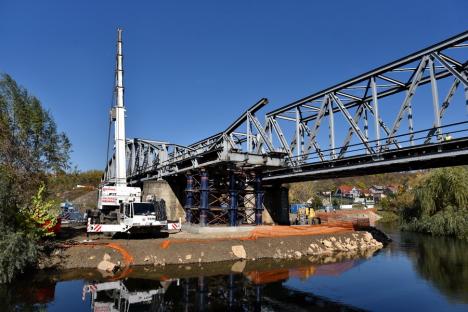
(300, 230)
(338, 217)
(274, 231)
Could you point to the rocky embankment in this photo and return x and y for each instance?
(117, 255)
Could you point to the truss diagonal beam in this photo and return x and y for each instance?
(451, 69)
(318, 120)
(352, 123)
(443, 108)
(315, 144)
(347, 140)
(262, 133)
(281, 136)
(409, 95)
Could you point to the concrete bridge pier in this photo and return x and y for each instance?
(171, 192)
(276, 202)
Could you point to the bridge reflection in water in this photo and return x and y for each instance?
(254, 290)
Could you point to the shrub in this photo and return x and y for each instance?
(17, 251)
(41, 216)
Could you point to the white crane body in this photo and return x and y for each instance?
(119, 206)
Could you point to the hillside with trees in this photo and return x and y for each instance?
(61, 183)
(303, 191)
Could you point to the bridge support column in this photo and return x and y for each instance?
(258, 298)
(231, 291)
(189, 199)
(233, 204)
(258, 199)
(204, 198)
(202, 291)
(277, 203)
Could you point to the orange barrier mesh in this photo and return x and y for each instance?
(301, 230)
(273, 231)
(127, 257)
(359, 218)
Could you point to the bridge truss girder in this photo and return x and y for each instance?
(244, 143)
(360, 98)
(291, 140)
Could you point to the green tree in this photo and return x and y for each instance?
(31, 149)
(301, 192)
(316, 202)
(440, 204)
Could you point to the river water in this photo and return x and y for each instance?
(413, 273)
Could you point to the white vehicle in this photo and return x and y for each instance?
(119, 206)
(131, 217)
(127, 295)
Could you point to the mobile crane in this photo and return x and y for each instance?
(120, 208)
(127, 295)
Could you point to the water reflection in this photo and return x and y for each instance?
(249, 291)
(384, 280)
(442, 261)
(127, 295)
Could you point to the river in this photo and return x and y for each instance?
(413, 273)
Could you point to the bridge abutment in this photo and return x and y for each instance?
(171, 192)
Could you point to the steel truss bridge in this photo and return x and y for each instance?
(417, 108)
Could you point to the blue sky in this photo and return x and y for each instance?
(191, 67)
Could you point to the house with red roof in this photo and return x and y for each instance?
(348, 191)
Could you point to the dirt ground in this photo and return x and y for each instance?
(116, 256)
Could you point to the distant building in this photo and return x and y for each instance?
(377, 192)
(348, 191)
(391, 189)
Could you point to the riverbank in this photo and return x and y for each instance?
(112, 257)
(332, 264)
(423, 271)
